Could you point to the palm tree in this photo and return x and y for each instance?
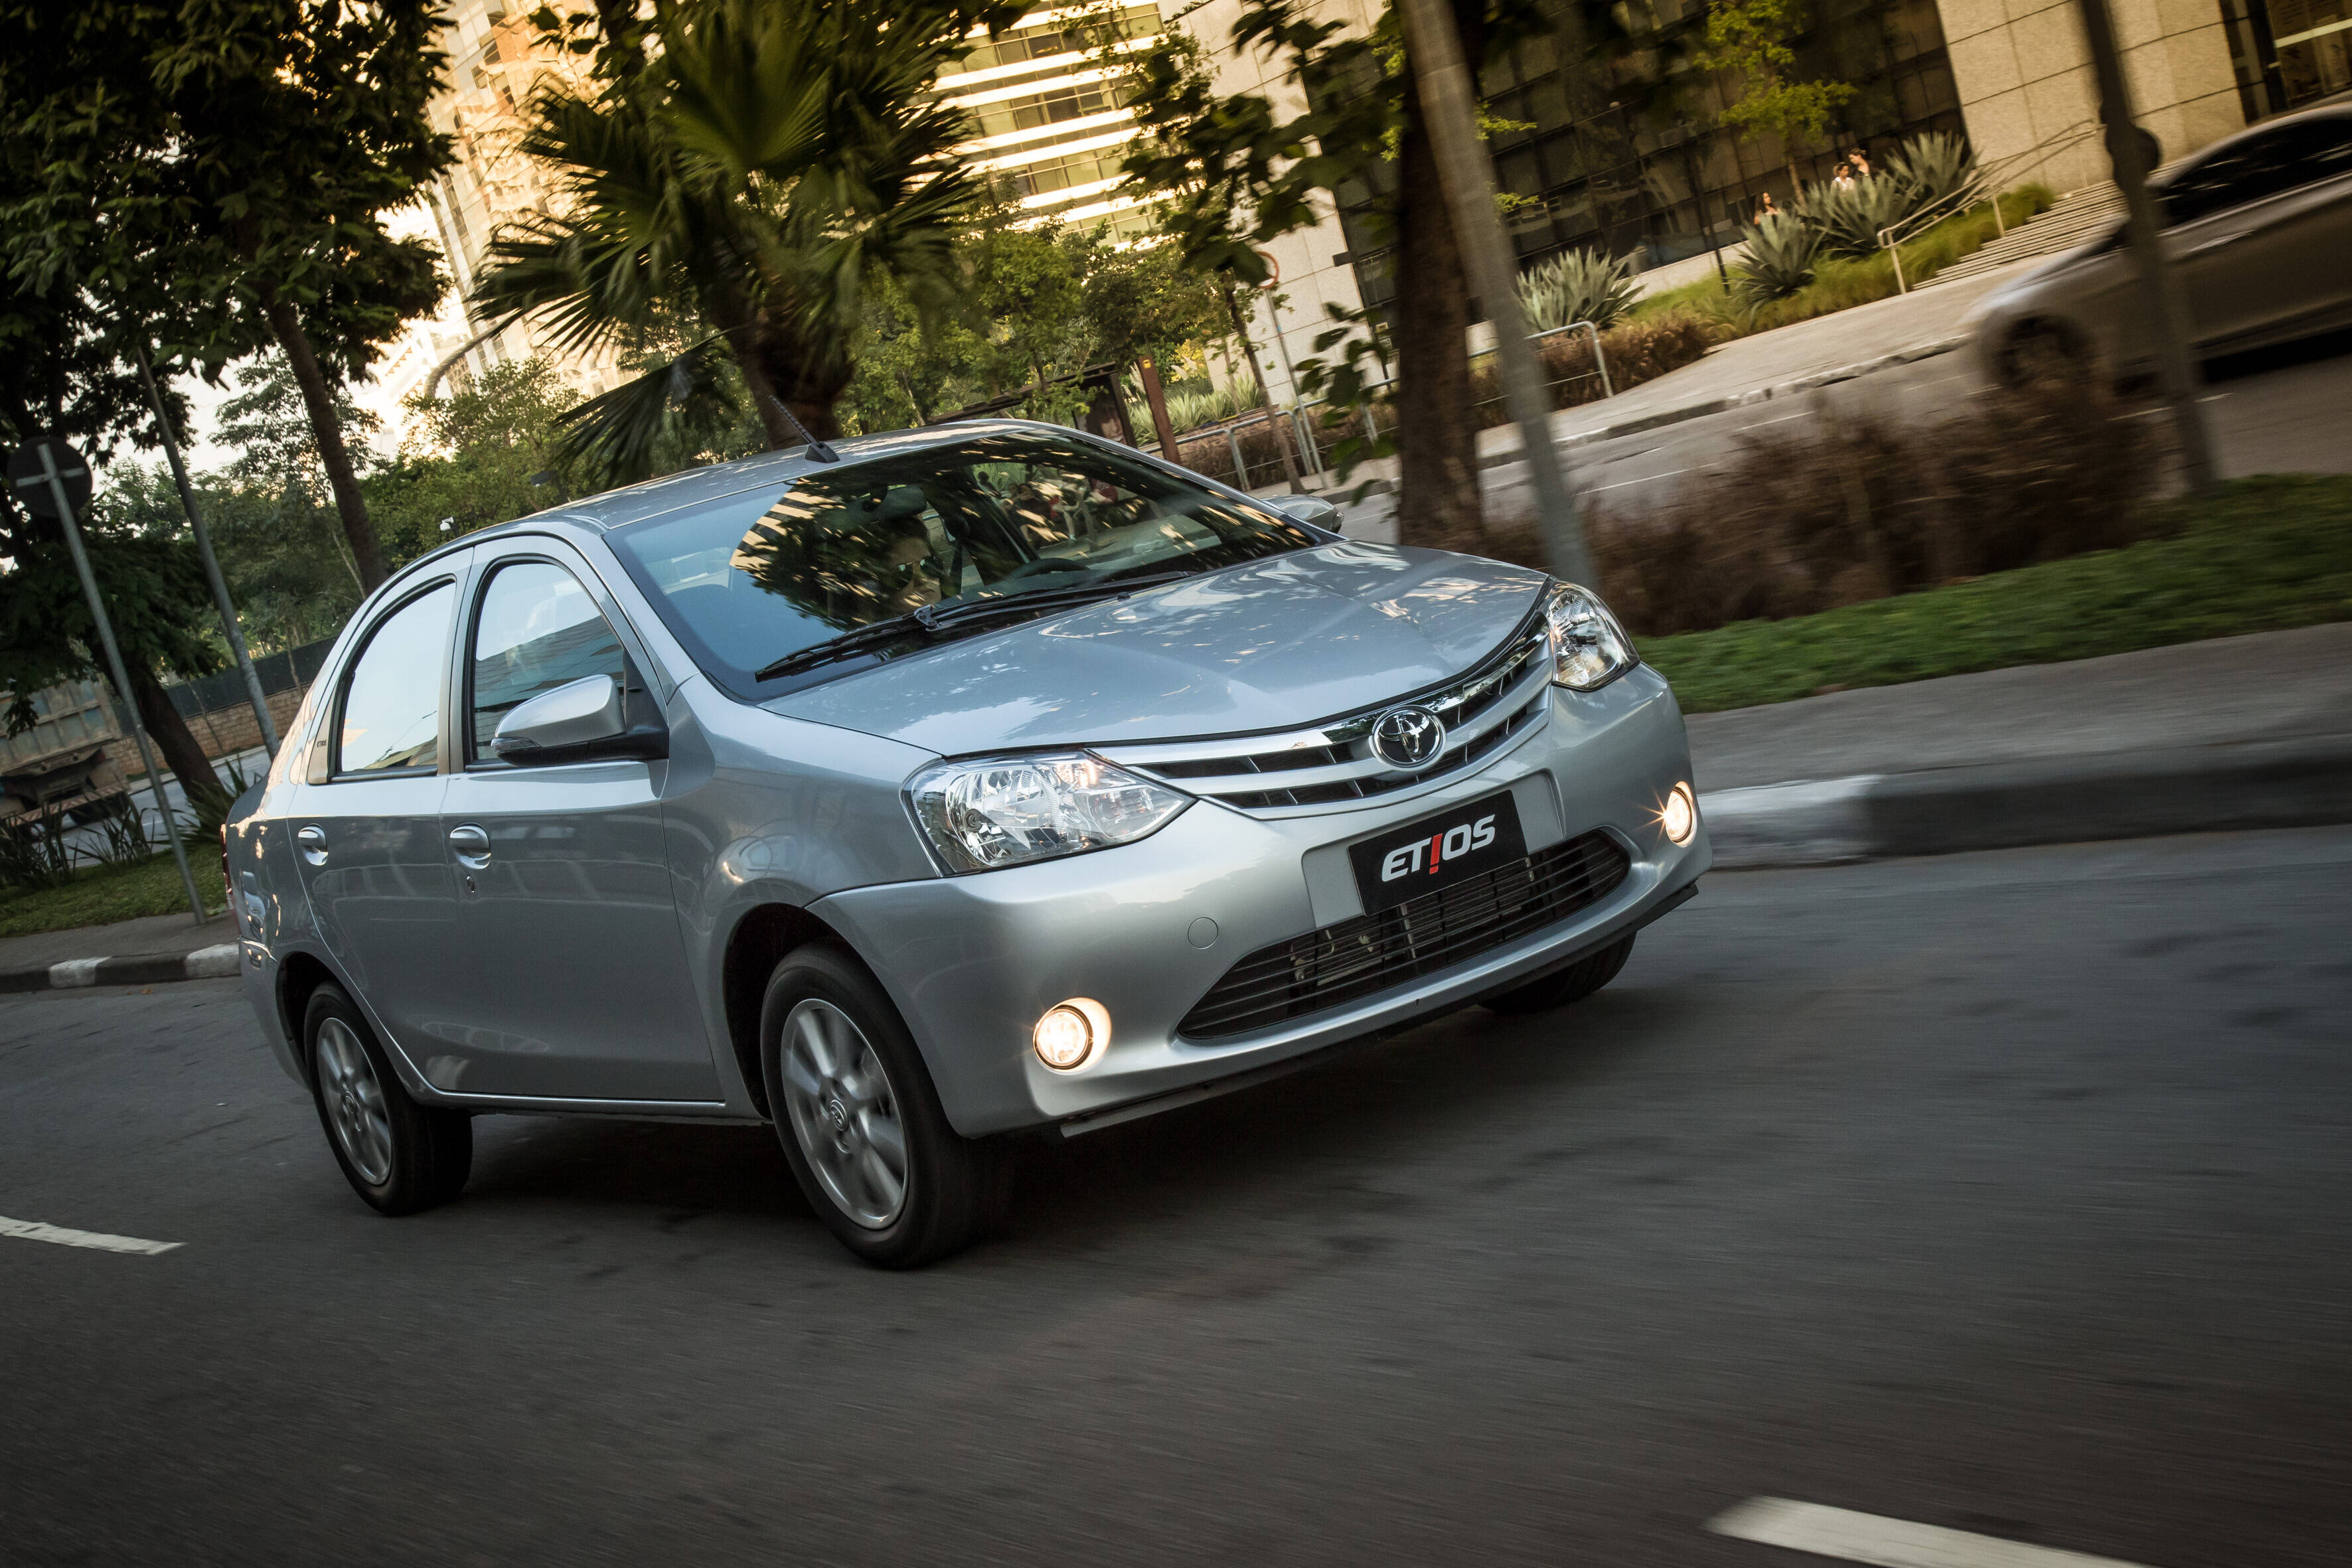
(746, 177)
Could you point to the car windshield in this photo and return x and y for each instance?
(750, 580)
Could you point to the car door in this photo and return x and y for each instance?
(2260, 231)
(574, 984)
(366, 820)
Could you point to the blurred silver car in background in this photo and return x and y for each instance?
(2260, 226)
(974, 780)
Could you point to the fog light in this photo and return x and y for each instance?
(1073, 1033)
(1680, 818)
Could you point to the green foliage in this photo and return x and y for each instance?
(2260, 555)
(1850, 217)
(1581, 285)
(749, 176)
(1756, 40)
(1936, 167)
(483, 455)
(100, 894)
(1777, 259)
(1837, 285)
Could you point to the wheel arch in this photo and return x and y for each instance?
(761, 939)
(298, 975)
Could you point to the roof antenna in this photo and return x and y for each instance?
(816, 449)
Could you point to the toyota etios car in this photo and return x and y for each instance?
(964, 782)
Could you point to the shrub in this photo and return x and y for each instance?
(1776, 260)
(1577, 286)
(1636, 351)
(1851, 216)
(1856, 508)
(1935, 166)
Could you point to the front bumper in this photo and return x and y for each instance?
(972, 962)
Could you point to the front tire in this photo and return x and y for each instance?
(2044, 354)
(860, 1121)
(1563, 986)
(399, 1156)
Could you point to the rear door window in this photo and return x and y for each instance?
(391, 715)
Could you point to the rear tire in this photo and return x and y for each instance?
(1563, 986)
(2044, 354)
(860, 1122)
(399, 1156)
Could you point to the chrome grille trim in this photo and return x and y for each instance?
(1331, 763)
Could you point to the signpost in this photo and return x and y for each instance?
(2161, 295)
(53, 481)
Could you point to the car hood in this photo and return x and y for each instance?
(1278, 643)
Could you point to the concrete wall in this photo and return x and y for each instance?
(2024, 78)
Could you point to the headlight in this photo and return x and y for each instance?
(1009, 811)
(1588, 648)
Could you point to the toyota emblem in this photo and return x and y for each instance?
(1408, 739)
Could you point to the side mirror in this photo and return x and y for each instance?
(1312, 510)
(583, 720)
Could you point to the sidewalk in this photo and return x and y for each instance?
(2252, 732)
(1781, 363)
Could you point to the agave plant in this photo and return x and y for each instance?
(755, 170)
(1579, 285)
(1851, 216)
(1934, 167)
(1776, 259)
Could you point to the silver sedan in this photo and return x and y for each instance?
(2259, 224)
(972, 782)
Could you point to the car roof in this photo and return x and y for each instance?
(610, 509)
(2235, 139)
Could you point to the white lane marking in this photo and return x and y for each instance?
(1888, 1543)
(74, 972)
(34, 1230)
(1621, 484)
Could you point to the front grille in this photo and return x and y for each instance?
(1332, 762)
(1370, 953)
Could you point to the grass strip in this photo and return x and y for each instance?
(101, 895)
(2261, 555)
(1842, 284)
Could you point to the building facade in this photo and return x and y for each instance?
(497, 60)
(1044, 101)
(1623, 158)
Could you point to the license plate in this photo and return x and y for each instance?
(1438, 851)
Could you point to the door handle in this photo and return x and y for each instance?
(311, 840)
(471, 844)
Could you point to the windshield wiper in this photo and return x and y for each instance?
(931, 620)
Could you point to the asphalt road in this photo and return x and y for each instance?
(2006, 1193)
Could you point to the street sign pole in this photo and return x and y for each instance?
(253, 691)
(2161, 295)
(1449, 108)
(115, 668)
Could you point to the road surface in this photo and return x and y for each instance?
(2004, 1194)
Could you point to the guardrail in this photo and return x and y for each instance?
(1989, 177)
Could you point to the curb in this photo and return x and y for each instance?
(2300, 782)
(1754, 395)
(145, 969)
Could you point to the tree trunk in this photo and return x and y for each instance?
(778, 429)
(1437, 427)
(175, 745)
(318, 399)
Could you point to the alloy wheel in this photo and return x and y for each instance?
(355, 1099)
(845, 1113)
